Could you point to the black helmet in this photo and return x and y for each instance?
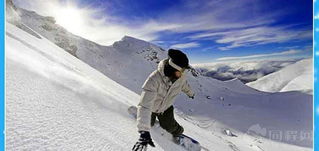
(178, 58)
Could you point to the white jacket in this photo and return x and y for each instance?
(158, 95)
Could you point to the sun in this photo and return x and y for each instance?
(70, 18)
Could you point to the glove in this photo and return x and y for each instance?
(144, 140)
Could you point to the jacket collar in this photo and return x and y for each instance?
(160, 69)
(161, 65)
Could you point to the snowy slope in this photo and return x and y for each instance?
(56, 101)
(295, 77)
(68, 106)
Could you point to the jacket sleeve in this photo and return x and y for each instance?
(144, 108)
(187, 89)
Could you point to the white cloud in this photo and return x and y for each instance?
(289, 52)
(186, 45)
(208, 35)
(255, 36)
(246, 71)
(213, 16)
(109, 28)
(93, 23)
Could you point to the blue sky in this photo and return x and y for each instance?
(207, 30)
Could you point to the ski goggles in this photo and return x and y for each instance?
(171, 63)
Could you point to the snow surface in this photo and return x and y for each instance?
(54, 101)
(295, 77)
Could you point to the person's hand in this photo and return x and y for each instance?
(144, 140)
(192, 97)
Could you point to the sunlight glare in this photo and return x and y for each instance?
(70, 18)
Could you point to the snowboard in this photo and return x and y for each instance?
(183, 140)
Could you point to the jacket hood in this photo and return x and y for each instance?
(161, 66)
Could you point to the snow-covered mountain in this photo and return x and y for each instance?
(116, 61)
(56, 101)
(295, 77)
(246, 71)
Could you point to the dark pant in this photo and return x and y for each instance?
(168, 122)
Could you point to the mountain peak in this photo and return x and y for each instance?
(135, 43)
(132, 43)
(132, 39)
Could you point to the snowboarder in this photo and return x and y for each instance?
(157, 97)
